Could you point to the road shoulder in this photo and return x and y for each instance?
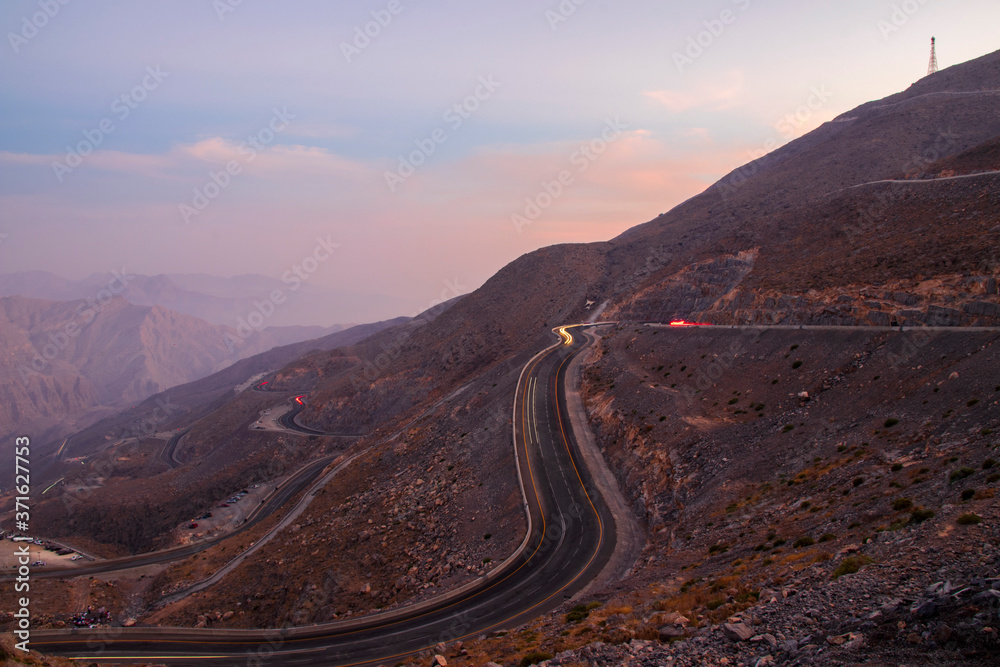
(630, 534)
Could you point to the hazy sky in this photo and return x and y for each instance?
(227, 136)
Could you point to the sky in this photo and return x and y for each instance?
(411, 148)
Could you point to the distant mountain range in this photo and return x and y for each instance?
(64, 363)
(223, 301)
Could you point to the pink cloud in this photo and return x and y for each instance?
(702, 96)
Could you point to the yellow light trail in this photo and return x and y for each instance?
(567, 336)
(53, 484)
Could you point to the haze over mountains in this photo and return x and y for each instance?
(75, 349)
(63, 362)
(223, 301)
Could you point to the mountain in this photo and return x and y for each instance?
(810, 234)
(724, 440)
(221, 301)
(66, 362)
(200, 397)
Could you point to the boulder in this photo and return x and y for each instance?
(670, 632)
(673, 618)
(768, 638)
(737, 632)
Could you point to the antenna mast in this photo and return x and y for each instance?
(933, 66)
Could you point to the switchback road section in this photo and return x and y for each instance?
(571, 537)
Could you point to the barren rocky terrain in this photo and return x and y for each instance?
(837, 511)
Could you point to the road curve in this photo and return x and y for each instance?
(288, 489)
(169, 452)
(572, 538)
(288, 421)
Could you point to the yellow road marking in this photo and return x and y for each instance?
(525, 441)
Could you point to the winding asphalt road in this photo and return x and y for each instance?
(288, 421)
(570, 538)
(288, 489)
(169, 452)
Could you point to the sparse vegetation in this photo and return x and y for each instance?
(920, 515)
(902, 504)
(851, 564)
(890, 422)
(968, 519)
(580, 612)
(961, 474)
(534, 658)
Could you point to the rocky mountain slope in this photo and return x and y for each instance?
(133, 498)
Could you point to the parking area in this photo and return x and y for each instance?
(268, 419)
(226, 514)
(44, 553)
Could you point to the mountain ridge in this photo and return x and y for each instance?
(217, 300)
